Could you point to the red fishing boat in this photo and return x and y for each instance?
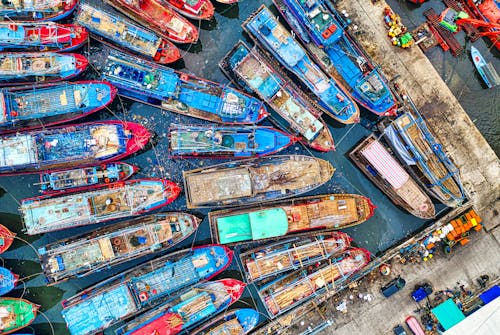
(193, 9)
(487, 10)
(161, 19)
(227, 2)
(6, 238)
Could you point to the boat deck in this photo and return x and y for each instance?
(35, 64)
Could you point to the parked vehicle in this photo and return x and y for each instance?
(399, 330)
(393, 286)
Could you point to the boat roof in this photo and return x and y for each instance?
(97, 312)
(252, 226)
(15, 313)
(17, 64)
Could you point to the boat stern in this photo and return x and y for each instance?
(79, 34)
(234, 288)
(171, 191)
(139, 136)
(81, 63)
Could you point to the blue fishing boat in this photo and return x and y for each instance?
(267, 31)
(187, 309)
(337, 53)
(39, 10)
(417, 148)
(41, 36)
(180, 92)
(238, 321)
(252, 71)
(42, 105)
(142, 288)
(486, 70)
(110, 27)
(67, 146)
(20, 68)
(225, 141)
(8, 280)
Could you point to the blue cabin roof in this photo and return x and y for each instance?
(7, 281)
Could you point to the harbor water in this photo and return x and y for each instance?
(388, 226)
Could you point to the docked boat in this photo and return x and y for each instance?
(67, 146)
(189, 308)
(226, 141)
(337, 53)
(39, 10)
(193, 9)
(97, 204)
(42, 105)
(113, 28)
(489, 11)
(21, 68)
(295, 288)
(8, 280)
(371, 157)
(80, 178)
(142, 287)
(160, 18)
(486, 70)
(41, 36)
(180, 92)
(299, 217)
(292, 254)
(417, 148)
(249, 68)
(234, 322)
(267, 31)
(114, 244)
(6, 238)
(254, 180)
(15, 314)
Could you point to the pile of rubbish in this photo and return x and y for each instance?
(397, 31)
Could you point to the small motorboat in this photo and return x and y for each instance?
(486, 70)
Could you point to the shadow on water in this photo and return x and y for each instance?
(45, 296)
(26, 269)
(195, 48)
(44, 328)
(208, 24)
(230, 11)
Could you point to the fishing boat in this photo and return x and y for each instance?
(227, 2)
(24, 68)
(417, 148)
(297, 287)
(337, 53)
(489, 11)
(6, 238)
(235, 322)
(113, 28)
(8, 280)
(43, 105)
(226, 141)
(142, 288)
(254, 180)
(267, 31)
(15, 314)
(299, 217)
(371, 157)
(292, 254)
(160, 18)
(41, 36)
(114, 244)
(83, 144)
(38, 10)
(193, 9)
(80, 178)
(187, 309)
(180, 92)
(486, 70)
(249, 68)
(97, 204)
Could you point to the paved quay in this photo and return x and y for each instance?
(479, 166)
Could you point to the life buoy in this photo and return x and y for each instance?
(122, 174)
(143, 296)
(289, 218)
(106, 180)
(184, 77)
(117, 241)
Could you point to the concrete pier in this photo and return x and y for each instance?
(479, 166)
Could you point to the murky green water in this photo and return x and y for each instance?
(389, 224)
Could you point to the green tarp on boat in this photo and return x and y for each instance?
(252, 226)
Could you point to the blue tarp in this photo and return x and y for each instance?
(490, 295)
(392, 136)
(448, 314)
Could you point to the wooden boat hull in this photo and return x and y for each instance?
(6, 238)
(289, 218)
(44, 67)
(143, 287)
(159, 18)
(226, 142)
(254, 181)
(50, 11)
(58, 181)
(114, 244)
(113, 147)
(26, 313)
(97, 204)
(238, 321)
(44, 105)
(8, 280)
(204, 9)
